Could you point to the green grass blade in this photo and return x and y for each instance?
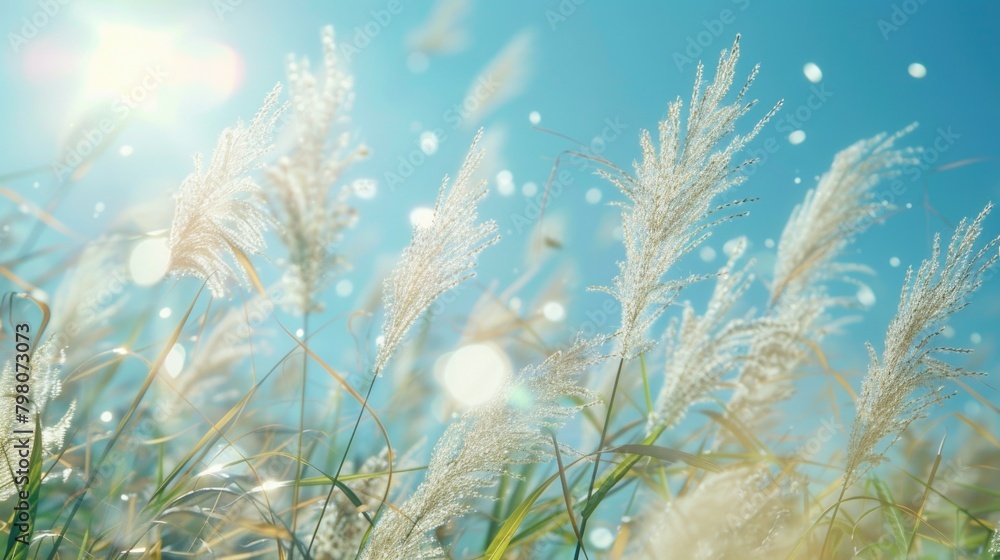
(666, 454)
(892, 518)
(615, 476)
(509, 528)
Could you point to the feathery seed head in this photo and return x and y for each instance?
(481, 446)
(907, 377)
(439, 257)
(701, 349)
(46, 364)
(302, 181)
(672, 193)
(828, 219)
(216, 214)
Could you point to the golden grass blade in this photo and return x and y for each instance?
(739, 431)
(17, 280)
(127, 417)
(927, 491)
(47, 218)
(979, 429)
(960, 163)
(978, 396)
(247, 266)
(837, 376)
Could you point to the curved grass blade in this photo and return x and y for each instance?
(927, 491)
(126, 420)
(891, 517)
(567, 497)
(666, 454)
(509, 528)
(615, 476)
(738, 430)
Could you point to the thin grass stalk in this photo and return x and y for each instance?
(927, 491)
(343, 459)
(833, 518)
(302, 422)
(125, 421)
(597, 460)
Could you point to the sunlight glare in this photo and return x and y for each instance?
(474, 373)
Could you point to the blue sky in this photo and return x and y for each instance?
(587, 65)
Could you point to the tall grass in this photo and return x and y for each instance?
(222, 451)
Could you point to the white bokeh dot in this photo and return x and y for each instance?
(812, 72)
(593, 195)
(364, 188)
(344, 288)
(428, 142)
(474, 373)
(422, 217)
(149, 261)
(601, 538)
(554, 311)
(866, 296)
(505, 183)
(174, 362)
